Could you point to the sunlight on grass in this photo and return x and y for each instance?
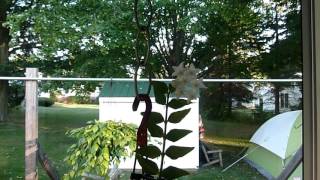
(88, 106)
(228, 141)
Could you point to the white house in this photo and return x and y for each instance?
(289, 97)
(115, 103)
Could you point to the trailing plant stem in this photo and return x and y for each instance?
(164, 135)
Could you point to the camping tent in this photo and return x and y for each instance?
(274, 144)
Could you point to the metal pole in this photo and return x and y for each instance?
(292, 165)
(131, 79)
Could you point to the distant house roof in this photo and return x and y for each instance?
(124, 89)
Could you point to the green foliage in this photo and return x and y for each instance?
(155, 118)
(176, 117)
(16, 93)
(46, 102)
(178, 103)
(223, 38)
(173, 172)
(77, 100)
(150, 151)
(162, 95)
(148, 166)
(175, 152)
(82, 100)
(155, 130)
(214, 101)
(160, 90)
(99, 144)
(177, 134)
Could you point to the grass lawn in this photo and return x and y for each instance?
(229, 133)
(55, 121)
(53, 124)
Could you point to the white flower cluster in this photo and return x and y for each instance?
(186, 83)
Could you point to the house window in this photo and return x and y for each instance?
(284, 100)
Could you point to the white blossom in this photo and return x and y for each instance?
(178, 70)
(186, 83)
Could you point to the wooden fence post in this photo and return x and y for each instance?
(31, 125)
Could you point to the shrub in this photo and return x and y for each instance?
(99, 145)
(46, 102)
(77, 100)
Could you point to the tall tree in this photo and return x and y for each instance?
(4, 58)
(234, 40)
(82, 39)
(174, 31)
(283, 58)
(17, 45)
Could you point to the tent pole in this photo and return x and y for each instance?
(293, 164)
(231, 165)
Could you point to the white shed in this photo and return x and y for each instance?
(115, 103)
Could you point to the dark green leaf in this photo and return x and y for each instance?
(176, 134)
(171, 88)
(155, 118)
(173, 172)
(178, 103)
(160, 91)
(155, 130)
(175, 152)
(149, 151)
(148, 166)
(176, 117)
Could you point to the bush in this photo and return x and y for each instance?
(77, 100)
(46, 102)
(99, 145)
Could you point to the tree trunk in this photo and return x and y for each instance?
(4, 41)
(3, 101)
(276, 93)
(229, 85)
(229, 99)
(276, 86)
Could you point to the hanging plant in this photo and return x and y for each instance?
(185, 85)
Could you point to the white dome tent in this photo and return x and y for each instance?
(275, 143)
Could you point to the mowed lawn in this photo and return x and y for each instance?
(53, 123)
(56, 120)
(235, 134)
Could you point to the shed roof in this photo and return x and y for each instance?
(124, 89)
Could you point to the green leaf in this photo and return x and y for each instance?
(178, 103)
(160, 91)
(175, 152)
(95, 129)
(155, 118)
(173, 172)
(176, 134)
(176, 117)
(155, 130)
(171, 88)
(148, 166)
(150, 151)
(114, 135)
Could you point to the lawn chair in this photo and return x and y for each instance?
(211, 156)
